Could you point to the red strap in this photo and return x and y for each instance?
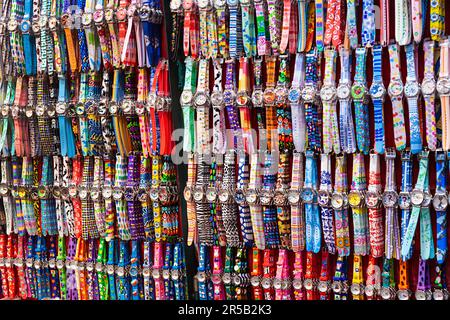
(186, 32)
(10, 270)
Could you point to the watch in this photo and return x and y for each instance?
(331, 139)
(395, 91)
(359, 210)
(412, 91)
(429, 94)
(378, 93)
(343, 92)
(359, 94)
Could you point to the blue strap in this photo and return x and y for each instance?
(312, 214)
(62, 94)
(202, 258)
(168, 260)
(377, 63)
(123, 282)
(112, 262)
(414, 121)
(135, 262)
(441, 216)
(379, 126)
(178, 265)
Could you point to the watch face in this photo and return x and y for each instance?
(224, 195)
(154, 193)
(176, 274)
(109, 15)
(355, 198)
(440, 201)
(324, 198)
(86, 19)
(307, 195)
(95, 193)
(390, 199)
(239, 196)
(372, 198)
(404, 200)
(386, 293)
(420, 295)
(217, 98)
(336, 287)
(412, 89)
(99, 16)
(3, 189)
(428, 87)
(25, 26)
(343, 91)
(82, 192)
(211, 194)
(257, 97)
(187, 4)
(358, 91)
(219, 3)
(255, 281)
(266, 197)
(294, 95)
(277, 283)
(175, 5)
(328, 93)
(121, 14)
(293, 197)
(61, 108)
(266, 283)
(377, 90)
(417, 197)
(251, 196)
(106, 192)
(281, 93)
(269, 96)
(229, 97)
(35, 24)
(338, 201)
(40, 110)
(43, 20)
(232, 2)
(12, 25)
(442, 86)
(200, 99)
(438, 294)
(279, 199)
(369, 290)
(355, 289)
(140, 108)
(202, 4)
(297, 284)
(117, 194)
(395, 88)
(308, 93)
(226, 278)
(242, 99)
(142, 195)
(308, 284)
(323, 286)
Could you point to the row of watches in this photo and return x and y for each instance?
(110, 269)
(163, 193)
(79, 20)
(337, 200)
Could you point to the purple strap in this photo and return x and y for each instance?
(72, 293)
